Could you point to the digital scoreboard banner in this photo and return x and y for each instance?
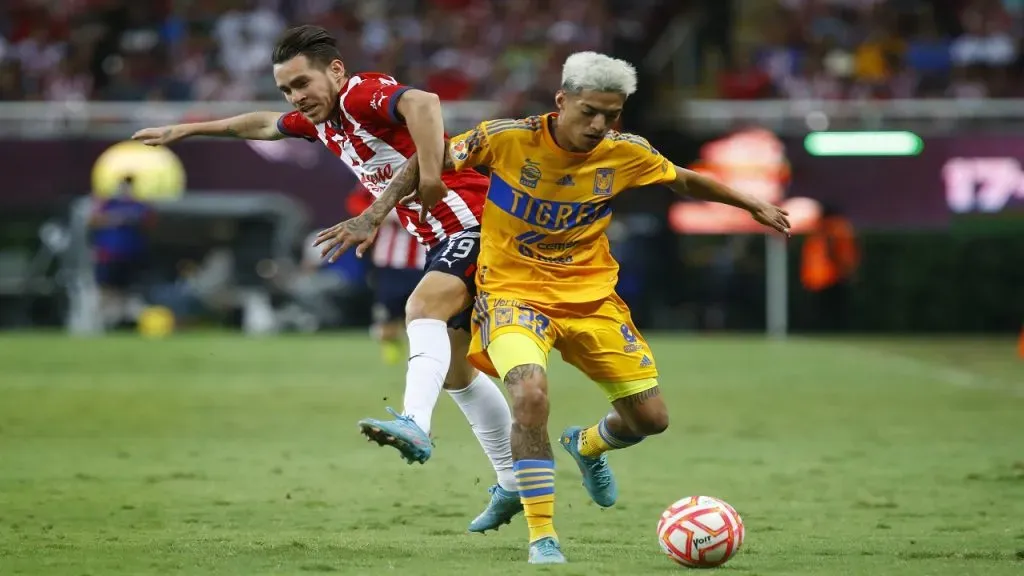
(880, 180)
(897, 183)
(947, 177)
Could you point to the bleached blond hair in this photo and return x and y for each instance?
(598, 72)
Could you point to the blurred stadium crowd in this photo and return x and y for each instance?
(867, 49)
(178, 50)
(124, 50)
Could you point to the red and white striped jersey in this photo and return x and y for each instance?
(369, 136)
(394, 247)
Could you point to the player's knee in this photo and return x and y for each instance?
(528, 387)
(653, 423)
(419, 308)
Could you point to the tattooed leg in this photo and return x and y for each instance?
(528, 387)
(638, 415)
(631, 419)
(532, 459)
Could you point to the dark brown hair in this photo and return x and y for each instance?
(313, 42)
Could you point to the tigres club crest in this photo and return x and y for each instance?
(603, 180)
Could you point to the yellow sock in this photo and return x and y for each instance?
(540, 512)
(597, 440)
(536, 479)
(592, 444)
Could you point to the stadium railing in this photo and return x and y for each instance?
(42, 120)
(924, 116)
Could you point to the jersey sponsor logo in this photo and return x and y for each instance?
(531, 237)
(526, 251)
(631, 340)
(379, 177)
(558, 245)
(530, 174)
(530, 243)
(547, 214)
(538, 238)
(603, 180)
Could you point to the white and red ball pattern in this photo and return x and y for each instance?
(700, 532)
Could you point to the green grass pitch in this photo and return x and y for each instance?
(217, 454)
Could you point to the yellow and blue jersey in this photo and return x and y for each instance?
(543, 226)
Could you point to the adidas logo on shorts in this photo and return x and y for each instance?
(646, 362)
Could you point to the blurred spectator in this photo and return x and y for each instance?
(505, 50)
(744, 80)
(218, 85)
(12, 86)
(120, 247)
(124, 50)
(928, 54)
(812, 80)
(245, 35)
(875, 55)
(828, 265)
(873, 49)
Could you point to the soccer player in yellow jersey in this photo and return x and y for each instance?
(546, 278)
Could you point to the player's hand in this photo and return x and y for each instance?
(772, 216)
(359, 232)
(430, 192)
(160, 136)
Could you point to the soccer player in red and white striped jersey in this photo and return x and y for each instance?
(373, 124)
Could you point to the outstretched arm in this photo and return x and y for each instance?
(694, 185)
(250, 126)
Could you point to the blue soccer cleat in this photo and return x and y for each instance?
(546, 551)
(402, 433)
(597, 474)
(504, 505)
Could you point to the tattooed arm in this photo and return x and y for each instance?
(361, 230)
(403, 189)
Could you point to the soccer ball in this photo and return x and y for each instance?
(700, 532)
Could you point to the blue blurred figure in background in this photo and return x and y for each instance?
(120, 247)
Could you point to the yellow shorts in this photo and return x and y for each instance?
(598, 338)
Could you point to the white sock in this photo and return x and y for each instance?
(430, 354)
(488, 413)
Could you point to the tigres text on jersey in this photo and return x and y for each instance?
(547, 209)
